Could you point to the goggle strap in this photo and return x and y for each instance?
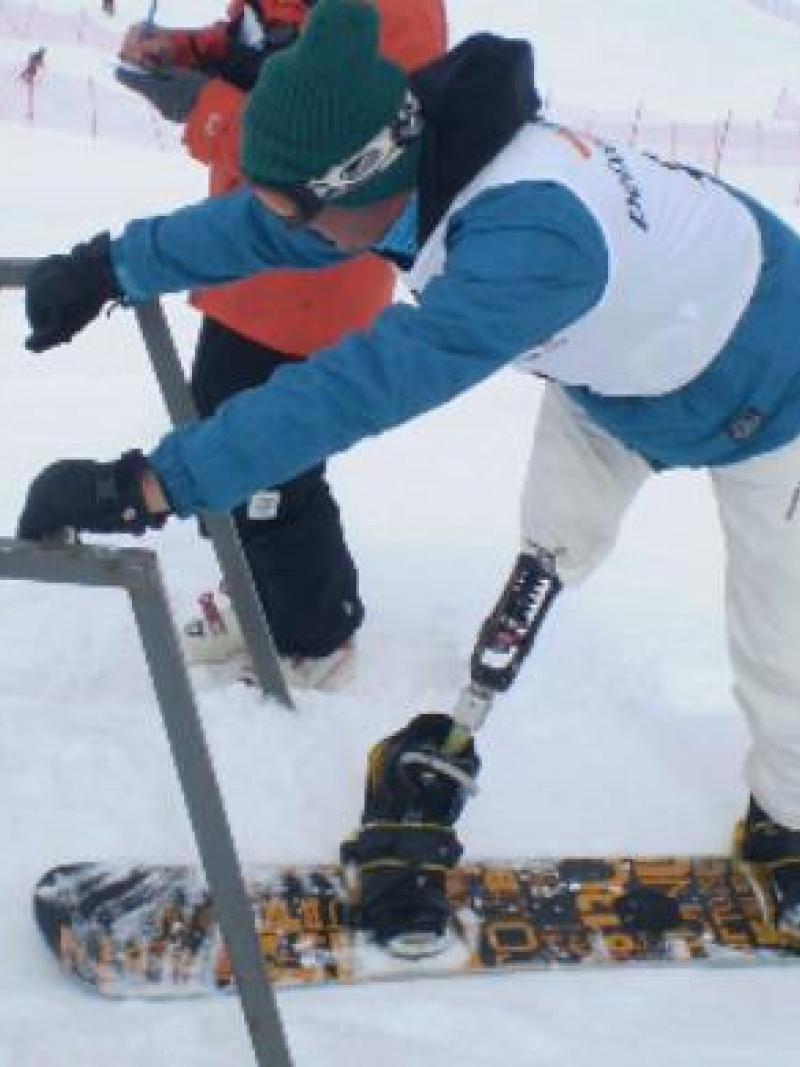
(375, 157)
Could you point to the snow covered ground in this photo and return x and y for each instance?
(621, 735)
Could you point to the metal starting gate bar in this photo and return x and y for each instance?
(137, 572)
(220, 528)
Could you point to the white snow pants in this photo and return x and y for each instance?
(579, 484)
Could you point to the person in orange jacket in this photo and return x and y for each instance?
(292, 536)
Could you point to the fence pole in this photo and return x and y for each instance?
(220, 528)
(92, 108)
(636, 126)
(721, 141)
(137, 572)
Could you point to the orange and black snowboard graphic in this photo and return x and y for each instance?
(150, 931)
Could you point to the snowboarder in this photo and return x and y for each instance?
(661, 307)
(292, 533)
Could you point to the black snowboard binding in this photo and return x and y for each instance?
(772, 852)
(399, 859)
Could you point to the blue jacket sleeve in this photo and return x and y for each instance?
(522, 263)
(210, 243)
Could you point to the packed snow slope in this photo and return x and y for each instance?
(621, 735)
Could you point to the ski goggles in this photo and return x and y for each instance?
(372, 159)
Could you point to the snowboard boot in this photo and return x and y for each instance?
(396, 864)
(772, 853)
(214, 638)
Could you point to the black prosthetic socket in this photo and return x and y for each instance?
(507, 634)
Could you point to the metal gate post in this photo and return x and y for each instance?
(221, 529)
(137, 572)
(13, 272)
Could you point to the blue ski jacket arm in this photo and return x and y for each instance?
(522, 263)
(210, 243)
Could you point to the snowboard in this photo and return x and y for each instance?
(150, 931)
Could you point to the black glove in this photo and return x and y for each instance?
(415, 792)
(172, 91)
(81, 494)
(64, 293)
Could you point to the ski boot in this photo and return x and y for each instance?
(397, 863)
(771, 854)
(214, 638)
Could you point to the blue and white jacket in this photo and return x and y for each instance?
(666, 304)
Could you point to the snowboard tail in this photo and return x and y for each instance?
(150, 931)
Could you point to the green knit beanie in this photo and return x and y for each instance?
(318, 102)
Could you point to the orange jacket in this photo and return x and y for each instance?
(195, 47)
(297, 312)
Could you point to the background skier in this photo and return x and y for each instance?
(33, 66)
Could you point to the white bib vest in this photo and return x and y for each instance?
(684, 257)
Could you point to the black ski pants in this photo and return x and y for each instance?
(293, 538)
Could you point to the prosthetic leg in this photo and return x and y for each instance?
(419, 779)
